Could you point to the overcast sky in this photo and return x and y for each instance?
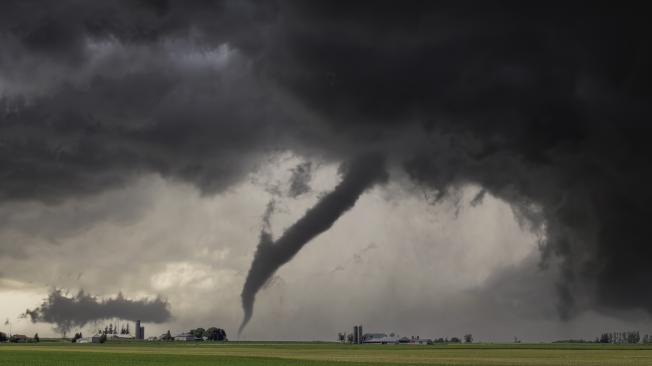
(419, 168)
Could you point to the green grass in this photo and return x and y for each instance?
(319, 354)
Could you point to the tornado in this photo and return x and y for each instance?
(358, 175)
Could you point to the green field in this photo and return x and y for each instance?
(318, 354)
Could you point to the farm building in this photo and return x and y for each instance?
(93, 339)
(415, 340)
(18, 338)
(379, 339)
(186, 337)
(140, 331)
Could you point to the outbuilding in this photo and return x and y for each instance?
(185, 337)
(93, 339)
(18, 338)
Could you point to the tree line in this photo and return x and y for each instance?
(111, 329)
(630, 337)
(15, 339)
(468, 338)
(211, 334)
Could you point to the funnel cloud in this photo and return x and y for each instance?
(358, 175)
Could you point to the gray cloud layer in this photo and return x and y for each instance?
(543, 106)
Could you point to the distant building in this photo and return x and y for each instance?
(422, 341)
(119, 336)
(380, 340)
(415, 340)
(341, 337)
(185, 337)
(357, 336)
(93, 339)
(140, 330)
(18, 338)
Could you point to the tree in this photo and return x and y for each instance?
(468, 338)
(215, 334)
(167, 336)
(198, 333)
(36, 338)
(455, 340)
(3, 337)
(633, 336)
(103, 338)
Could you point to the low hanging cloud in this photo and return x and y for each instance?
(78, 310)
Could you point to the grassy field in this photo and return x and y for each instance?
(319, 354)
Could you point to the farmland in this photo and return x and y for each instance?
(319, 354)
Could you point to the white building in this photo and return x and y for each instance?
(93, 339)
(381, 340)
(186, 337)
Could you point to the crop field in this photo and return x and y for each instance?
(319, 354)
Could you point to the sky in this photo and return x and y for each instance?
(285, 170)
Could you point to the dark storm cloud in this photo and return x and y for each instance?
(92, 95)
(77, 311)
(545, 105)
(542, 105)
(358, 176)
(300, 179)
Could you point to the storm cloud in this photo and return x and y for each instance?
(544, 105)
(68, 312)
